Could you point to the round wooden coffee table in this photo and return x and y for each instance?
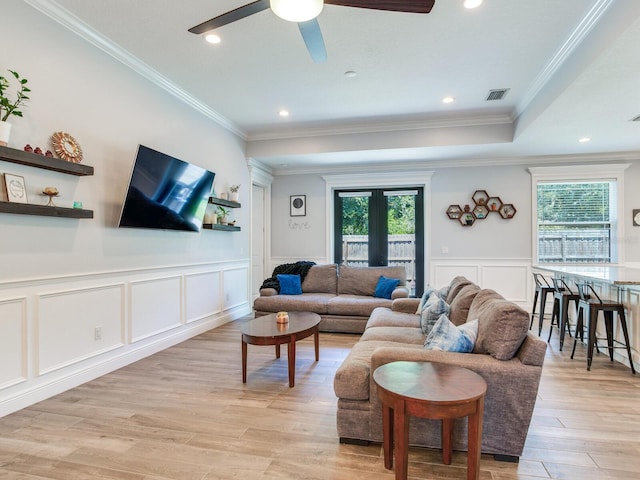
(429, 390)
(266, 331)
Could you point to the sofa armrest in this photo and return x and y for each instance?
(268, 292)
(400, 292)
(405, 305)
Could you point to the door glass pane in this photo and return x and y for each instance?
(355, 228)
(401, 228)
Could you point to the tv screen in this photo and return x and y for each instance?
(165, 193)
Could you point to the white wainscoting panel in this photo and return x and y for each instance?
(511, 278)
(13, 341)
(155, 306)
(67, 322)
(236, 287)
(202, 295)
(510, 281)
(443, 273)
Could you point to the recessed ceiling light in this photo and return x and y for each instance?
(213, 38)
(448, 100)
(283, 113)
(350, 73)
(472, 3)
(584, 140)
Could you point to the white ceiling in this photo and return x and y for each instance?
(572, 67)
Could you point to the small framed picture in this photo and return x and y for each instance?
(297, 205)
(16, 189)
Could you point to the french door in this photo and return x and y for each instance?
(375, 227)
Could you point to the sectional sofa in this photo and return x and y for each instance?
(343, 296)
(505, 354)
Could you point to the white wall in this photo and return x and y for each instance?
(61, 278)
(494, 252)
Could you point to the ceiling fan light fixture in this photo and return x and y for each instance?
(472, 3)
(297, 10)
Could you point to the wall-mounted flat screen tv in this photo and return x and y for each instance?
(165, 193)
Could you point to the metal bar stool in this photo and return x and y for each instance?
(562, 295)
(543, 288)
(589, 307)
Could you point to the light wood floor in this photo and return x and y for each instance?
(185, 414)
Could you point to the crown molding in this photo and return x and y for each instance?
(72, 23)
(347, 128)
(574, 40)
(411, 167)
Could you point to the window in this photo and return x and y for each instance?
(576, 212)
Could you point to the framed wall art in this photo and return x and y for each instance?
(16, 189)
(297, 205)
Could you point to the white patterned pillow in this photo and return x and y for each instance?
(431, 312)
(445, 336)
(425, 296)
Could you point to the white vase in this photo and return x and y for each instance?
(234, 196)
(5, 131)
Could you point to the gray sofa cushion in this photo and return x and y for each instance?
(403, 335)
(383, 317)
(455, 286)
(355, 305)
(363, 280)
(321, 279)
(307, 302)
(502, 325)
(461, 304)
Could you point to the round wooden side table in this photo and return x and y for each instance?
(429, 390)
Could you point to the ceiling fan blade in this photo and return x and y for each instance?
(232, 16)
(410, 6)
(313, 39)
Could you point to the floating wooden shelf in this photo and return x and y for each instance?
(217, 226)
(40, 161)
(224, 203)
(44, 211)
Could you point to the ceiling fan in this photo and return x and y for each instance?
(306, 19)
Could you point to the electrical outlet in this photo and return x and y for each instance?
(97, 333)
(445, 249)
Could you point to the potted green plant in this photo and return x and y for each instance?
(222, 215)
(8, 106)
(234, 196)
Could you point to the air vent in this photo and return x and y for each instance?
(497, 94)
(636, 119)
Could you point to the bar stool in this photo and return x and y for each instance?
(562, 295)
(589, 307)
(543, 288)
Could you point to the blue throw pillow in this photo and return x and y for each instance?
(447, 337)
(385, 287)
(289, 284)
(425, 296)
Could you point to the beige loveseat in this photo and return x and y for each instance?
(342, 296)
(507, 356)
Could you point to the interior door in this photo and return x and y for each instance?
(257, 240)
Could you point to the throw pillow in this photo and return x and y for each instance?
(425, 296)
(445, 336)
(385, 287)
(289, 284)
(433, 309)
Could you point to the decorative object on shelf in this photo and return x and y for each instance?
(77, 204)
(484, 204)
(66, 147)
(28, 148)
(234, 194)
(507, 210)
(222, 215)
(223, 195)
(297, 205)
(494, 204)
(636, 217)
(49, 154)
(38, 151)
(8, 107)
(51, 192)
(454, 212)
(16, 189)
